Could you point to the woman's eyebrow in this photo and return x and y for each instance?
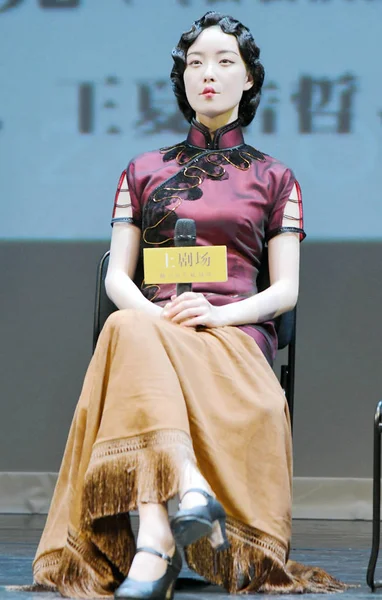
(218, 52)
(225, 52)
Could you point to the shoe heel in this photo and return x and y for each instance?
(170, 591)
(218, 537)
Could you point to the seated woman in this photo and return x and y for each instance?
(169, 407)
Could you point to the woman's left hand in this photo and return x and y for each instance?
(191, 309)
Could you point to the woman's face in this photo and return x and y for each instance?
(215, 76)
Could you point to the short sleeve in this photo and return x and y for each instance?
(127, 207)
(286, 214)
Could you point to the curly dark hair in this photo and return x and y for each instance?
(249, 51)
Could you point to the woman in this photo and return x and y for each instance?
(179, 396)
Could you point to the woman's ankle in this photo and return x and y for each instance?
(154, 529)
(163, 543)
(155, 533)
(192, 498)
(191, 481)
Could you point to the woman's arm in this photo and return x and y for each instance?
(281, 296)
(284, 261)
(124, 253)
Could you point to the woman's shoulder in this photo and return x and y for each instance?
(154, 159)
(146, 159)
(272, 163)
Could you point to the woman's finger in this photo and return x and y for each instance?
(193, 311)
(194, 321)
(175, 309)
(185, 296)
(167, 309)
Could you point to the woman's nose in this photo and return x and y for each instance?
(209, 74)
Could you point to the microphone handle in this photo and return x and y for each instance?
(183, 287)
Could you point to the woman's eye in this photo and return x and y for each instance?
(226, 61)
(194, 63)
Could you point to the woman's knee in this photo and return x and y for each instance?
(120, 317)
(272, 412)
(129, 320)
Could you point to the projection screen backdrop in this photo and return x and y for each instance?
(85, 87)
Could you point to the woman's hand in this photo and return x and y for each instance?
(191, 309)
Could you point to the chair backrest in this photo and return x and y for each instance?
(285, 323)
(103, 305)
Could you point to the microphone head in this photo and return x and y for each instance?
(185, 232)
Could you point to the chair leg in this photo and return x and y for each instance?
(376, 500)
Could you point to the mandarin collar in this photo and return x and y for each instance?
(227, 136)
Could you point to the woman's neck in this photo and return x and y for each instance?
(215, 123)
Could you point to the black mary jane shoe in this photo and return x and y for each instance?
(191, 524)
(160, 589)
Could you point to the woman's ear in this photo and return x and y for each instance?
(248, 82)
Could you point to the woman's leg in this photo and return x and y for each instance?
(154, 527)
(191, 479)
(154, 532)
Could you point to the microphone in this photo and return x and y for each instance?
(184, 236)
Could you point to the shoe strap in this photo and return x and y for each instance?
(165, 557)
(198, 491)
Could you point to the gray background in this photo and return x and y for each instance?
(46, 309)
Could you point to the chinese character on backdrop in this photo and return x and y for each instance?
(89, 108)
(59, 3)
(267, 1)
(219, 1)
(158, 109)
(268, 108)
(188, 2)
(325, 105)
(7, 4)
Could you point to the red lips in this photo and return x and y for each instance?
(208, 90)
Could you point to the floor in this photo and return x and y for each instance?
(340, 547)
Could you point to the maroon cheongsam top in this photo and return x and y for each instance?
(237, 197)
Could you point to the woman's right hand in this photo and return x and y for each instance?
(191, 309)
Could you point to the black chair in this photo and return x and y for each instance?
(285, 324)
(376, 500)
